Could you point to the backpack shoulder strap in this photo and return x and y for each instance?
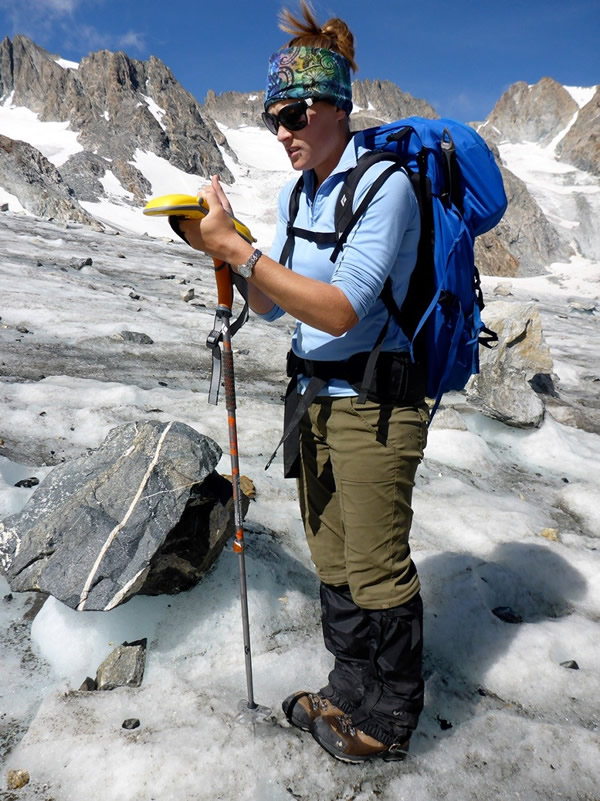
(345, 217)
(294, 204)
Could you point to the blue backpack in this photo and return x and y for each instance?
(461, 195)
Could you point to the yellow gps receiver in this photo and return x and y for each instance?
(188, 207)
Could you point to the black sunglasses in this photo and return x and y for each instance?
(292, 117)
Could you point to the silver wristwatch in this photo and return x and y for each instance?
(246, 270)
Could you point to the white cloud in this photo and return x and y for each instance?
(58, 7)
(132, 40)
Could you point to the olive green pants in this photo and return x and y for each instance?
(358, 465)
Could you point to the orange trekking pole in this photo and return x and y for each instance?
(182, 207)
(222, 333)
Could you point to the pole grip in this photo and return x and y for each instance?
(224, 284)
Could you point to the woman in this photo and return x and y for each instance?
(357, 460)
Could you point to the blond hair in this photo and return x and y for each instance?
(306, 31)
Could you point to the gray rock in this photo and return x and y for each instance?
(131, 723)
(505, 290)
(581, 144)
(448, 418)
(235, 109)
(83, 172)
(383, 101)
(137, 337)
(79, 264)
(123, 667)
(507, 615)
(532, 113)
(587, 307)
(493, 256)
(570, 664)
(27, 174)
(502, 388)
(91, 530)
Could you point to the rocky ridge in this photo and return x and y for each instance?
(540, 113)
(118, 106)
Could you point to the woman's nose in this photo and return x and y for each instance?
(283, 134)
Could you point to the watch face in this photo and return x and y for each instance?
(246, 270)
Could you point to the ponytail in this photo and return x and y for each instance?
(332, 35)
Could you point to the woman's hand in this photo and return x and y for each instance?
(214, 234)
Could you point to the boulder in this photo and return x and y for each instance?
(145, 512)
(503, 388)
(123, 667)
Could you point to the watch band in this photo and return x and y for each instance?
(246, 269)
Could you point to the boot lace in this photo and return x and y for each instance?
(317, 701)
(346, 725)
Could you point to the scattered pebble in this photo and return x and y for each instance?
(131, 723)
(550, 534)
(16, 779)
(507, 614)
(79, 264)
(571, 664)
(28, 483)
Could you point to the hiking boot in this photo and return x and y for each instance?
(340, 738)
(302, 708)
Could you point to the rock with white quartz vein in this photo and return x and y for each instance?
(146, 506)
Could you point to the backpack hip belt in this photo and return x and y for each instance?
(396, 379)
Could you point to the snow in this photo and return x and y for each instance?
(67, 65)
(567, 196)
(581, 94)
(53, 139)
(14, 204)
(113, 187)
(518, 724)
(157, 112)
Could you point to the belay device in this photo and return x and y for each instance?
(178, 207)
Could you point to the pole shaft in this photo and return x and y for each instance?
(238, 543)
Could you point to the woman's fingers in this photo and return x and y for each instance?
(223, 199)
(215, 190)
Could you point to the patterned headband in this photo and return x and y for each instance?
(302, 72)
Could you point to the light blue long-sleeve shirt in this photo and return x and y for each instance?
(383, 242)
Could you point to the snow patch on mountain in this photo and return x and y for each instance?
(157, 112)
(53, 139)
(569, 197)
(581, 94)
(66, 64)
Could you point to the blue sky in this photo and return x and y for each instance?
(459, 55)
